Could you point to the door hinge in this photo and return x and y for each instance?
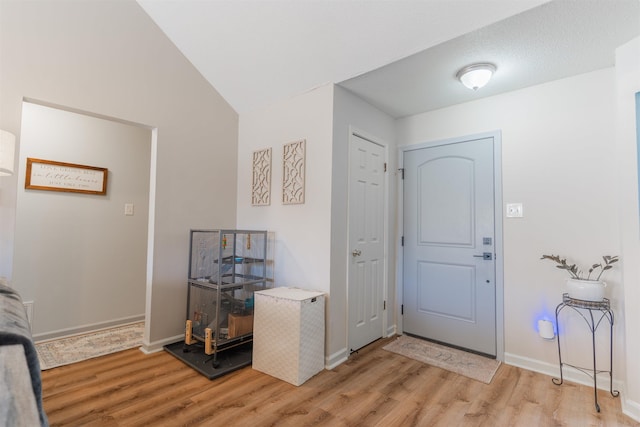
(385, 166)
(402, 172)
(402, 310)
(384, 305)
(402, 241)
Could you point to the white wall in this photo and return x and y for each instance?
(310, 239)
(302, 232)
(109, 58)
(628, 84)
(558, 142)
(75, 241)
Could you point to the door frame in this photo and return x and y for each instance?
(353, 131)
(498, 223)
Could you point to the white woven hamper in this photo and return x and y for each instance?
(288, 333)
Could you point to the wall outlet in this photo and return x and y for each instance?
(514, 210)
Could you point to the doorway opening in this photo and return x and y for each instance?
(93, 250)
(366, 241)
(452, 263)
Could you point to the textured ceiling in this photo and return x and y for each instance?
(257, 52)
(552, 41)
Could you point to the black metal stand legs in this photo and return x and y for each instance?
(603, 311)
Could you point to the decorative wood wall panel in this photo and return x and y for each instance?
(261, 182)
(293, 170)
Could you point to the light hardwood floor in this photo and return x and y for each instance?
(373, 388)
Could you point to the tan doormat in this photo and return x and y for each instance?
(470, 365)
(64, 351)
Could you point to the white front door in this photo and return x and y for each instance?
(449, 290)
(366, 241)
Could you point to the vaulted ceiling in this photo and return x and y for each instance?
(400, 55)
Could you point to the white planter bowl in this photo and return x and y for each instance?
(586, 290)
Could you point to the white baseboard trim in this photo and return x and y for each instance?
(342, 355)
(91, 327)
(156, 346)
(629, 407)
(391, 330)
(336, 359)
(531, 364)
(553, 370)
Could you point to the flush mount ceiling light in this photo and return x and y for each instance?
(475, 76)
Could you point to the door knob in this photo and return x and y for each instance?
(356, 252)
(487, 256)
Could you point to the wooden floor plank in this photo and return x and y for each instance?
(373, 388)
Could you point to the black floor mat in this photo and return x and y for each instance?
(228, 360)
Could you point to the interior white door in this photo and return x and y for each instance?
(366, 241)
(449, 266)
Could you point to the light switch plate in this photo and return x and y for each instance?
(514, 210)
(128, 209)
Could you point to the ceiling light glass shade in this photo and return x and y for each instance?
(7, 150)
(476, 76)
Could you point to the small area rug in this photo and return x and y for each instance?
(76, 348)
(470, 365)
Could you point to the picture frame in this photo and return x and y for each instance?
(261, 178)
(51, 175)
(293, 172)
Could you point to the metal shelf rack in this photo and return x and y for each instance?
(225, 268)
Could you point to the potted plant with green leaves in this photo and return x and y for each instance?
(585, 286)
